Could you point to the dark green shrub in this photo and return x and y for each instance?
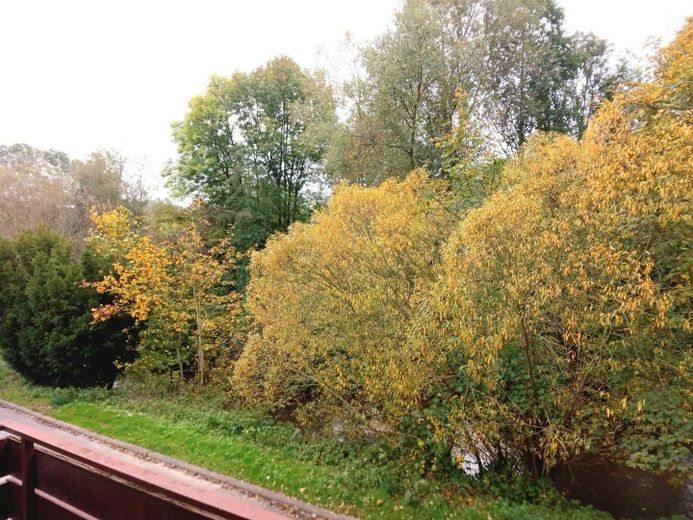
(45, 314)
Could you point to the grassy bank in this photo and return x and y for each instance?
(354, 479)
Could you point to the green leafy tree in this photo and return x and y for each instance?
(518, 67)
(404, 102)
(249, 145)
(538, 77)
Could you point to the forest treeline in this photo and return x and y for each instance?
(502, 268)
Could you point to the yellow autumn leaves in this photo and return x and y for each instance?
(553, 319)
(175, 283)
(526, 325)
(332, 299)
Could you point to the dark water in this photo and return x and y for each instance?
(624, 492)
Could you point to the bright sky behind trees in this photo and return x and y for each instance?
(78, 75)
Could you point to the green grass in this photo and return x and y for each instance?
(349, 478)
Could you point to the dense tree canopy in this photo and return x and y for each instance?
(249, 145)
(557, 322)
(519, 68)
(331, 299)
(562, 322)
(404, 102)
(502, 270)
(175, 284)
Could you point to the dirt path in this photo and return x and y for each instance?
(168, 468)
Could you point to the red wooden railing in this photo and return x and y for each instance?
(45, 477)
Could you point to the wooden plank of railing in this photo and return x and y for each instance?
(213, 505)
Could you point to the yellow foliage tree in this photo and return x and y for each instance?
(556, 322)
(332, 300)
(176, 286)
(562, 320)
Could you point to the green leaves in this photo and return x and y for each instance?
(249, 145)
(45, 314)
(520, 70)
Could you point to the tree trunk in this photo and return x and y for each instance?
(200, 346)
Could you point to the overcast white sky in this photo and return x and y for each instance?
(78, 75)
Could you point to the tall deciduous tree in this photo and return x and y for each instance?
(557, 320)
(397, 106)
(45, 188)
(249, 145)
(31, 199)
(518, 67)
(402, 105)
(538, 77)
(36, 190)
(25, 159)
(562, 321)
(102, 182)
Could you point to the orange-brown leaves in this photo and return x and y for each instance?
(178, 282)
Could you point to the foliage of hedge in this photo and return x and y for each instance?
(45, 314)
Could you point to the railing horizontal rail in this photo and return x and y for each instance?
(45, 476)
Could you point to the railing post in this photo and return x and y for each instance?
(28, 480)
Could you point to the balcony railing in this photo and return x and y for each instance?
(45, 477)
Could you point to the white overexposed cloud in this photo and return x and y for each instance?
(76, 75)
(627, 24)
